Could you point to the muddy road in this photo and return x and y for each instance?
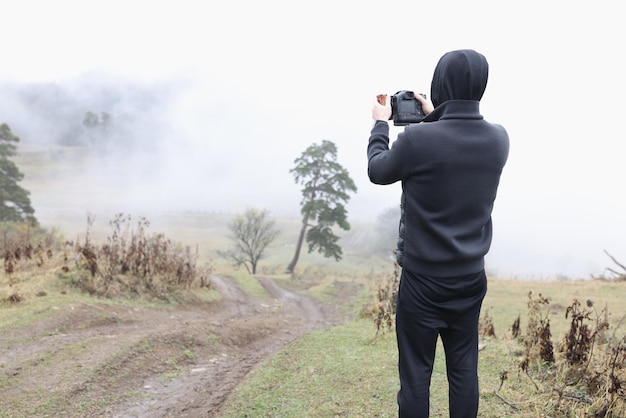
(102, 360)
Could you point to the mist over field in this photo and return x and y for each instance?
(155, 151)
(185, 116)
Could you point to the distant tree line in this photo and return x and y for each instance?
(89, 112)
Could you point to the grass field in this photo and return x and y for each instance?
(342, 371)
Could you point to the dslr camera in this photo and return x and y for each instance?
(405, 108)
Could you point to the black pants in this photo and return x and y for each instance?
(429, 307)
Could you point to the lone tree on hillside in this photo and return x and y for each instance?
(251, 233)
(14, 201)
(325, 188)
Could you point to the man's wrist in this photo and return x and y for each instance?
(382, 123)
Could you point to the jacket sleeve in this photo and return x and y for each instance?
(385, 165)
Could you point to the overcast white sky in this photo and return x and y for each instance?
(267, 79)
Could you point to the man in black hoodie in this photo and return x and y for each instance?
(449, 166)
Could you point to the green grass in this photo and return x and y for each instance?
(340, 372)
(334, 372)
(249, 284)
(321, 375)
(59, 292)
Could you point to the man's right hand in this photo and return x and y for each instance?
(382, 108)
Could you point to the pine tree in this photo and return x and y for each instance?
(325, 187)
(14, 200)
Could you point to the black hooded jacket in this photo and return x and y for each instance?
(450, 167)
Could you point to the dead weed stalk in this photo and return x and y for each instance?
(383, 309)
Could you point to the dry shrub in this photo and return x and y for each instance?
(486, 327)
(516, 330)
(538, 338)
(15, 298)
(22, 247)
(578, 342)
(587, 371)
(133, 262)
(383, 309)
(18, 249)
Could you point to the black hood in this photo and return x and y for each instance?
(459, 75)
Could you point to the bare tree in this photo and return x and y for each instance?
(616, 274)
(250, 233)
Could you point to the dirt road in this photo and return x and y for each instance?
(101, 360)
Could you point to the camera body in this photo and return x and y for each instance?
(405, 108)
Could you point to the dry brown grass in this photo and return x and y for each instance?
(129, 263)
(580, 368)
